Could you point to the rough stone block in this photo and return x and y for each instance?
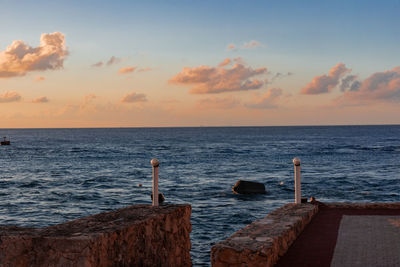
(139, 235)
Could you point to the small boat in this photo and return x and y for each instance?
(5, 142)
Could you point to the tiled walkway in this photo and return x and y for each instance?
(316, 244)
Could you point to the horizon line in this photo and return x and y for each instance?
(201, 126)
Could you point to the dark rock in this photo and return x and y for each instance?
(247, 187)
(161, 197)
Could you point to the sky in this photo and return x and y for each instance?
(198, 63)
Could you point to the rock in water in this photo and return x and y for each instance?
(247, 187)
(161, 197)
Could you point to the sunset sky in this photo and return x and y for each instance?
(198, 63)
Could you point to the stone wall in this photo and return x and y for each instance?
(139, 235)
(264, 241)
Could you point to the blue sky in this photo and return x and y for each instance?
(355, 29)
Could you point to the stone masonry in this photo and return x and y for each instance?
(139, 235)
(264, 241)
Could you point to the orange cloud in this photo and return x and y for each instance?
(19, 58)
(10, 96)
(39, 79)
(326, 83)
(266, 101)
(218, 103)
(212, 80)
(226, 61)
(380, 86)
(231, 47)
(133, 98)
(41, 99)
(126, 70)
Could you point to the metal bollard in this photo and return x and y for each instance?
(297, 180)
(154, 162)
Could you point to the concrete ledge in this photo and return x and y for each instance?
(365, 206)
(139, 235)
(264, 241)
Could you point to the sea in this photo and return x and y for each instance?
(50, 176)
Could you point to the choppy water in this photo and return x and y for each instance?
(48, 176)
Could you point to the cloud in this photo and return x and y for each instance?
(87, 99)
(212, 80)
(252, 44)
(266, 101)
(144, 69)
(349, 83)
(133, 98)
(98, 64)
(41, 99)
(280, 75)
(246, 45)
(231, 47)
(239, 60)
(39, 79)
(217, 103)
(86, 106)
(380, 86)
(10, 96)
(126, 70)
(226, 61)
(19, 58)
(326, 83)
(113, 60)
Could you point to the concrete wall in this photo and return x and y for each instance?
(264, 241)
(139, 235)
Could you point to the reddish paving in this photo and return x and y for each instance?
(316, 244)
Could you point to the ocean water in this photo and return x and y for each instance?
(49, 176)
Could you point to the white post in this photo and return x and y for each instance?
(154, 162)
(297, 180)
